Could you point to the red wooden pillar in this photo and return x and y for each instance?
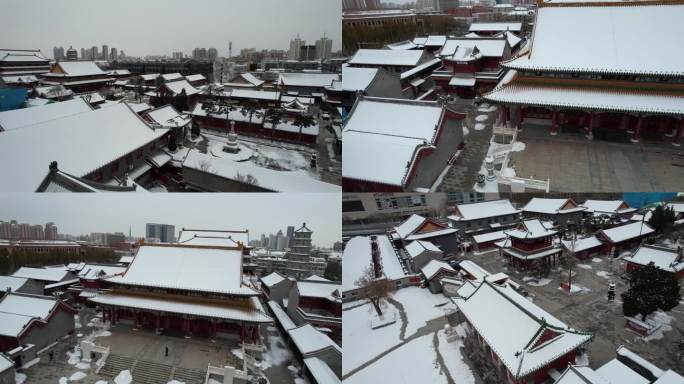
(242, 333)
(678, 136)
(213, 329)
(554, 122)
(637, 131)
(504, 116)
(186, 327)
(521, 111)
(590, 126)
(255, 333)
(157, 323)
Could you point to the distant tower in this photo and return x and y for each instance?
(230, 49)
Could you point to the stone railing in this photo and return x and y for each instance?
(228, 373)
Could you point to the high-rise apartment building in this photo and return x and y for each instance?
(323, 48)
(164, 232)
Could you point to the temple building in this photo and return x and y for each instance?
(529, 242)
(78, 76)
(560, 211)
(189, 290)
(667, 259)
(416, 227)
(531, 346)
(317, 301)
(593, 79)
(483, 216)
(23, 117)
(387, 141)
(610, 208)
(22, 62)
(621, 238)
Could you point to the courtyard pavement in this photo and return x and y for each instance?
(576, 164)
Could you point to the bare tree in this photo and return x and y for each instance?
(374, 289)
(205, 166)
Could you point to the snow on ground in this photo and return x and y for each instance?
(596, 260)
(605, 274)
(451, 352)
(101, 382)
(175, 382)
(486, 108)
(277, 158)
(77, 376)
(584, 266)
(538, 282)
(30, 363)
(63, 380)
(19, 378)
(518, 146)
(466, 131)
(216, 149)
(75, 356)
(481, 118)
(576, 289)
(413, 362)
(582, 359)
(276, 353)
(479, 126)
(508, 172)
(421, 306)
(124, 377)
(661, 318)
(83, 365)
(357, 334)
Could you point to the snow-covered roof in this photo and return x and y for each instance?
(149, 76)
(484, 209)
(487, 237)
(126, 259)
(256, 95)
(402, 45)
(582, 244)
(319, 289)
(11, 282)
(664, 258)
(627, 37)
(584, 95)
(433, 267)
(139, 107)
(417, 247)
(488, 47)
(19, 79)
(552, 206)
(532, 337)
(272, 279)
(410, 225)
(676, 207)
(5, 363)
(42, 274)
(211, 270)
(176, 87)
(420, 68)
(357, 258)
(78, 68)
(197, 77)
(617, 372)
(321, 371)
(627, 231)
(52, 91)
(381, 137)
(489, 27)
(23, 117)
(251, 79)
(96, 271)
(120, 72)
(307, 79)
(79, 143)
(18, 310)
(273, 180)
(582, 374)
(168, 117)
(473, 269)
(607, 206)
(512, 38)
(282, 317)
(171, 76)
(215, 309)
(309, 340)
(200, 235)
(670, 377)
(357, 79)
(390, 57)
(14, 55)
(530, 229)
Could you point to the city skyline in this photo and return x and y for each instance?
(262, 213)
(217, 24)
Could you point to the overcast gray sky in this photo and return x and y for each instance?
(159, 27)
(82, 213)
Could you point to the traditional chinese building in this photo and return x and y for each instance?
(434, 271)
(417, 227)
(531, 345)
(484, 216)
(23, 62)
(666, 259)
(529, 242)
(78, 76)
(560, 211)
(621, 238)
(583, 248)
(593, 79)
(610, 208)
(187, 290)
(317, 301)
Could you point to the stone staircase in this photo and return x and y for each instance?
(147, 372)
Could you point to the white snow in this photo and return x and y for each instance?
(31, 363)
(481, 118)
(453, 358)
(74, 356)
(584, 266)
(479, 126)
(371, 57)
(539, 282)
(604, 274)
(357, 79)
(176, 381)
(413, 362)
(82, 365)
(659, 318)
(628, 231)
(63, 380)
(508, 172)
(481, 210)
(357, 332)
(124, 377)
(357, 258)
(18, 118)
(518, 146)
(596, 260)
(421, 306)
(77, 376)
(20, 378)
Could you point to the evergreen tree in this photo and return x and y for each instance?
(194, 131)
(303, 121)
(662, 219)
(650, 289)
(172, 142)
(273, 116)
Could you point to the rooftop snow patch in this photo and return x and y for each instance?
(23, 117)
(187, 235)
(500, 27)
(664, 258)
(530, 229)
(11, 282)
(552, 206)
(417, 247)
(22, 55)
(389, 57)
(357, 79)
(628, 231)
(492, 47)
(42, 274)
(476, 211)
(319, 289)
(307, 79)
(607, 206)
(434, 266)
(171, 76)
(79, 143)
(168, 117)
(211, 270)
(272, 279)
(76, 69)
(196, 77)
(625, 38)
(582, 244)
(251, 79)
(309, 340)
(177, 86)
